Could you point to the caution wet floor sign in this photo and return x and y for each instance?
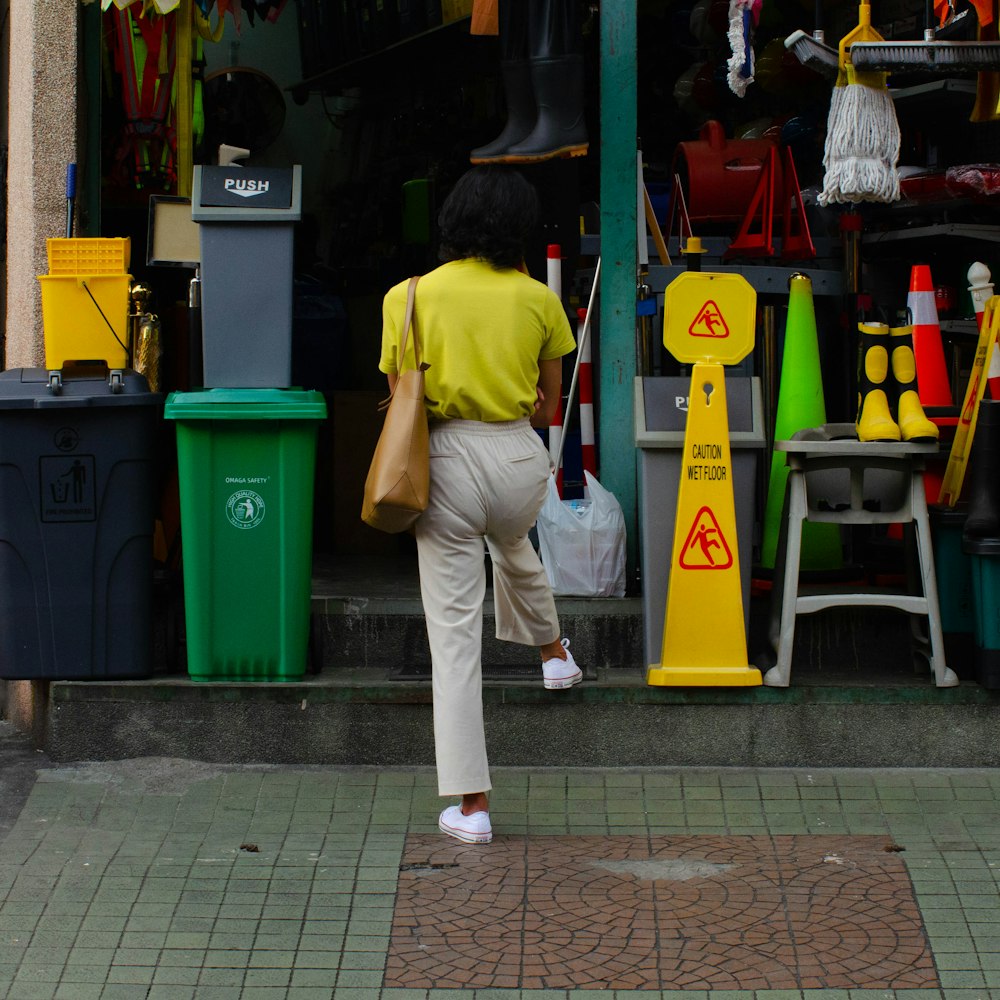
(708, 321)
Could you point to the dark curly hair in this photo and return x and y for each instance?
(490, 213)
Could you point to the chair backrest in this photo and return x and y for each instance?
(865, 482)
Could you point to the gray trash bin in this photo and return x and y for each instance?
(247, 217)
(660, 419)
(77, 511)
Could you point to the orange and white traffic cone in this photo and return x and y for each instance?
(933, 386)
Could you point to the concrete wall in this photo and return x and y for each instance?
(42, 130)
(41, 126)
(25, 704)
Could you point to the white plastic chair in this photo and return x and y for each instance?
(833, 477)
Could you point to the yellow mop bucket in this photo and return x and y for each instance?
(85, 302)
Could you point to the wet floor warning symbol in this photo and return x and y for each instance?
(706, 546)
(709, 322)
(709, 317)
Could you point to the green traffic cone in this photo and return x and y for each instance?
(800, 405)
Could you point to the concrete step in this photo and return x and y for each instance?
(856, 700)
(356, 716)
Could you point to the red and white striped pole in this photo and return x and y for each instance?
(553, 254)
(588, 444)
(981, 288)
(585, 316)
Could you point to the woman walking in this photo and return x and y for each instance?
(493, 338)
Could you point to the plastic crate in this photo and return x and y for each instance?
(74, 327)
(71, 255)
(452, 10)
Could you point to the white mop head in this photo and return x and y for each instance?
(862, 143)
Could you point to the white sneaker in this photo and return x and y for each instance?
(559, 674)
(474, 829)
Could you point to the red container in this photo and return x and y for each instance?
(720, 175)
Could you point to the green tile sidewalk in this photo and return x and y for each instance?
(162, 879)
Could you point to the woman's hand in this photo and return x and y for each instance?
(549, 386)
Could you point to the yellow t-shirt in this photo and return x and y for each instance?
(482, 332)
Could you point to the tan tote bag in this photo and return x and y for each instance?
(398, 482)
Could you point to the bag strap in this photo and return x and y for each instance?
(411, 291)
(407, 325)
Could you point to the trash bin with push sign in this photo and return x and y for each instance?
(246, 219)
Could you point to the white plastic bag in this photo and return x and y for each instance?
(583, 542)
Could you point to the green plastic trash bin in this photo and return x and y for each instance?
(246, 467)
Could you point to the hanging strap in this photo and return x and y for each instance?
(147, 70)
(411, 291)
(183, 111)
(125, 62)
(407, 325)
(205, 29)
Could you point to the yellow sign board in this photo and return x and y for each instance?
(961, 445)
(709, 316)
(704, 633)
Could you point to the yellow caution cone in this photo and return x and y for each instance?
(800, 405)
(704, 634)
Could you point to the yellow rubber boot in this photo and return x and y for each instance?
(874, 421)
(913, 422)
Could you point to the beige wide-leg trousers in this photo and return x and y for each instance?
(488, 481)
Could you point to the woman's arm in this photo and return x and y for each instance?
(549, 387)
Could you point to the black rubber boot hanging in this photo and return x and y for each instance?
(515, 75)
(521, 112)
(560, 129)
(555, 51)
(983, 521)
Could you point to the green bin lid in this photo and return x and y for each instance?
(246, 404)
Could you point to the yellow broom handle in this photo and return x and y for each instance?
(185, 154)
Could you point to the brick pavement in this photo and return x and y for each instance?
(160, 879)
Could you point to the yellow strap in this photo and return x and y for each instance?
(163, 66)
(205, 28)
(198, 101)
(182, 74)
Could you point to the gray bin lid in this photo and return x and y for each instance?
(28, 389)
(661, 411)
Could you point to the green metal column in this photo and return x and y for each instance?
(618, 260)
